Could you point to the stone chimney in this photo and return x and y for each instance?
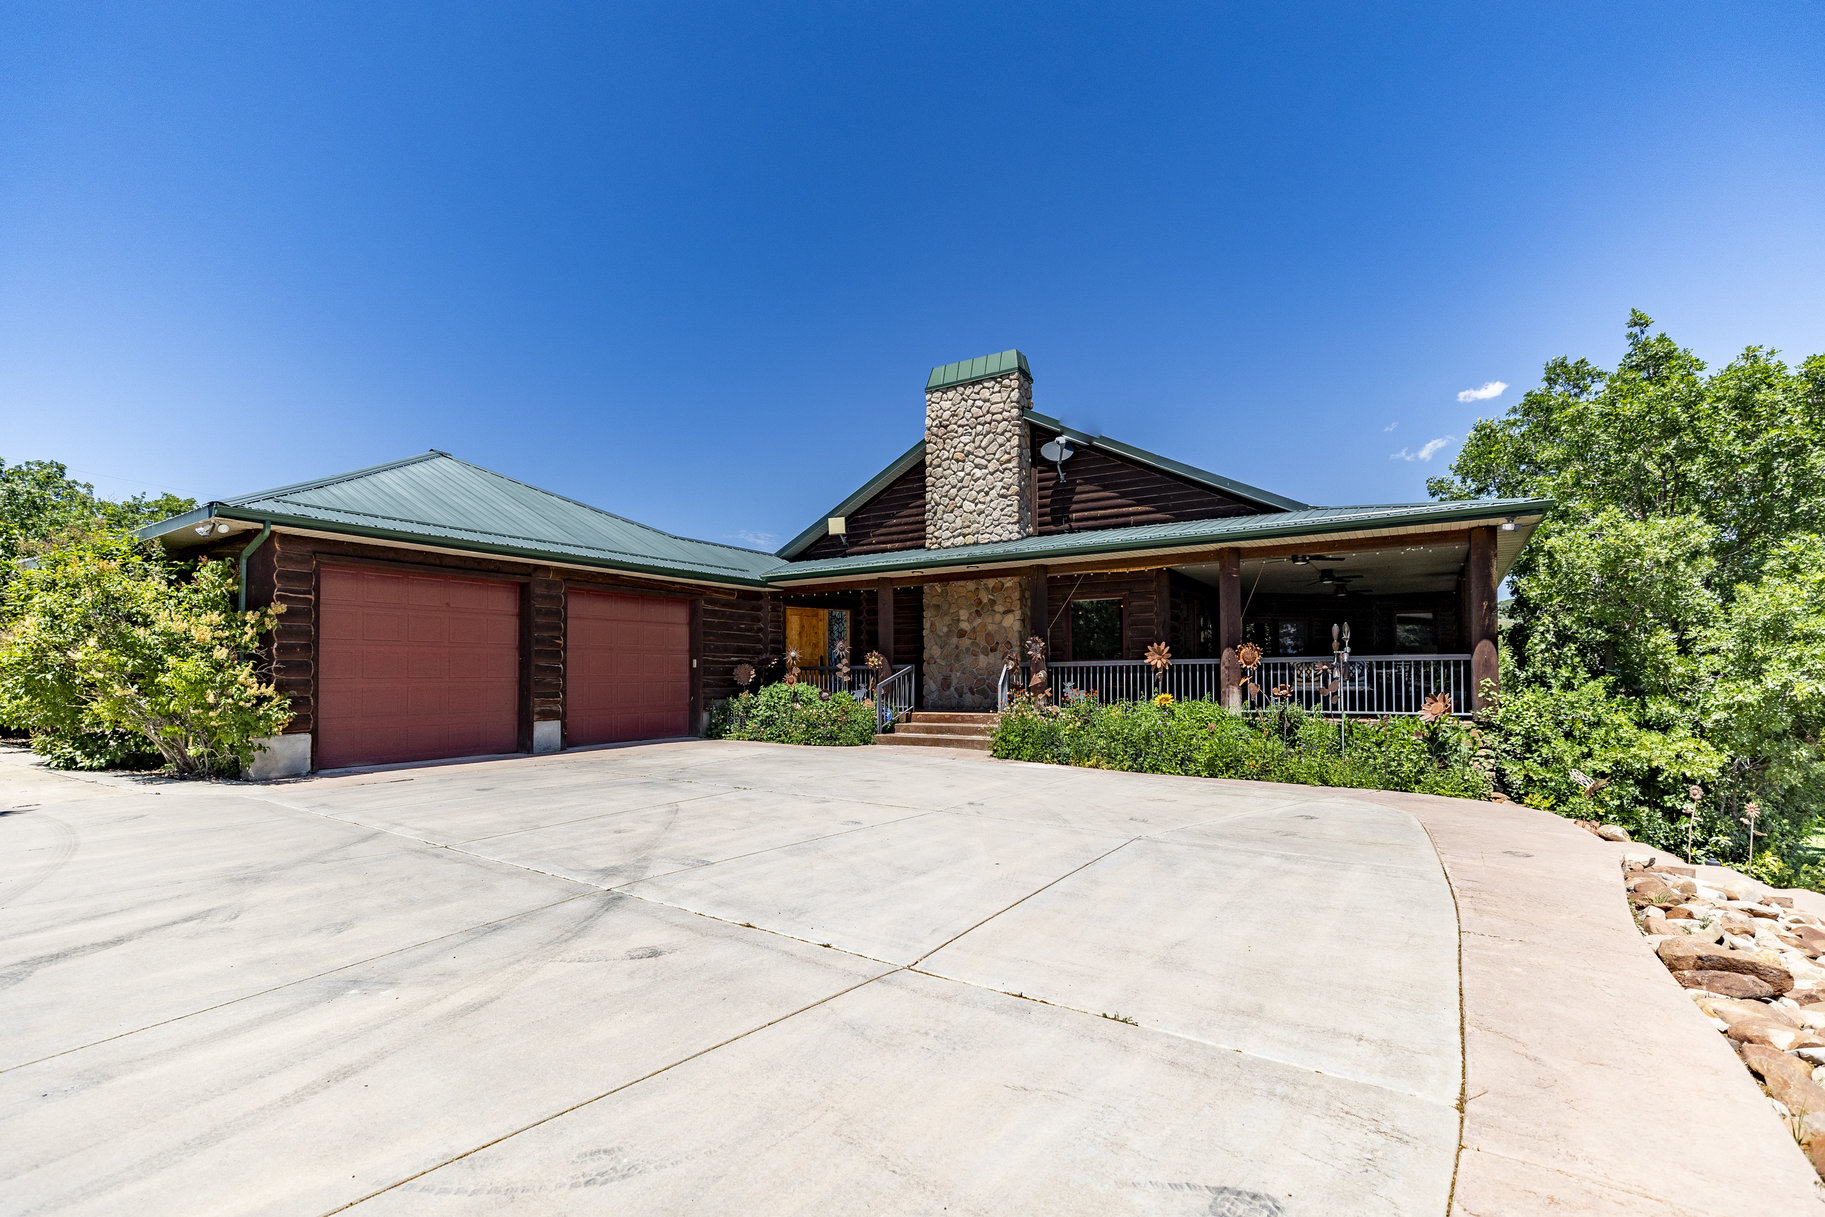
(978, 463)
(978, 487)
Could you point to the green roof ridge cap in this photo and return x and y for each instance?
(980, 368)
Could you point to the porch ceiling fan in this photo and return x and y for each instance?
(1330, 578)
(1308, 559)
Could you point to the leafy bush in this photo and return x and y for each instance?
(1640, 750)
(1202, 739)
(104, 640)
(794, 714)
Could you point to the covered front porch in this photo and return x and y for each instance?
(1365, 625)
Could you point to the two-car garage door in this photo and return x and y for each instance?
(422, 666)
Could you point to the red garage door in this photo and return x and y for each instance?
(415, 667)
(627, 668)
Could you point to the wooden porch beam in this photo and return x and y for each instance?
(1229, 627)
(1479, 579)
(884, 620)
(1039, 608)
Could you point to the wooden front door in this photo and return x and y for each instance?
(808, 633)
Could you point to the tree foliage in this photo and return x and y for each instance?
(40, 503)
(106, 642)
(1666, 629)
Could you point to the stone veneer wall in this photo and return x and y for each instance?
(970, 626)
(978, 471)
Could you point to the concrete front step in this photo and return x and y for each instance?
(904, 738)
(929, 728)
(952, 716)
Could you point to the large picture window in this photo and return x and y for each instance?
(1096, 629)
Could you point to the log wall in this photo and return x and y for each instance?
(1102, 490)
(893, 519)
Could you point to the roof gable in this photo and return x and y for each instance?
(437, 497)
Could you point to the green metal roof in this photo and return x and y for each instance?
(437, 499)
(980, 368)
(1180, 534)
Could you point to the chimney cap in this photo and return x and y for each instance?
(980, 368)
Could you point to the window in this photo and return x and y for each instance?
(1291, 636)
(1415, 632)
(1096, 629)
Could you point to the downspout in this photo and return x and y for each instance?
(265, 532)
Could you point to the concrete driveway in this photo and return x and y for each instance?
(723, 978)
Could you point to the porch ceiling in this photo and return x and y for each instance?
(1397, 570)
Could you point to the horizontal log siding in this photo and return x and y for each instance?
(546, 663)
(892, 519)
(1145, 611)
(291, 570)
(734, 632)
(1104, 491)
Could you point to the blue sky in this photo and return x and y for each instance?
(691, 263)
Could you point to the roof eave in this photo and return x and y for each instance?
(873, 486)
(937, 559)
(228, 511)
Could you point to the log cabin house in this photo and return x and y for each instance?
(436, 609)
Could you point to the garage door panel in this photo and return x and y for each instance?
(415, 667)
(627, 667)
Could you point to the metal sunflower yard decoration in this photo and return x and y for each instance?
(1435, 707)
(1038, 678)
(744, 675)
(791, 677)
(1159, 657)
(1249, 657)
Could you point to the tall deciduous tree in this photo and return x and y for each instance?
(1677, 580)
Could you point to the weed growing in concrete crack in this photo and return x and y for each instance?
(1121, 1018)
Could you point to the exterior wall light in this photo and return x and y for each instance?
(203, 530)
(1508, 524)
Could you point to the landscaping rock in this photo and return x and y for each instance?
(1769, 1033)
(1726, 984)
(1687, 954)
(1612, 832)
(1788, 1079)
(1811, 940)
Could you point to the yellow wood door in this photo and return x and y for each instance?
(808, 633)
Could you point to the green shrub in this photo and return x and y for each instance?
(1639, 749)
(1202, 739)
(105, 642)
(794, 714)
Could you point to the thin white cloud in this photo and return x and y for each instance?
(1493, 388)
(1389, 428)
(760, 540)
(1426, 452)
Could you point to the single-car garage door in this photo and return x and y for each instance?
(627, 667)
(415, 667)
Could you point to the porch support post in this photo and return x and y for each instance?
(1039, 610)
(883, 616)
(1229, 626)
(1480, 588)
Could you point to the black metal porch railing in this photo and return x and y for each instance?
(1366, 685)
